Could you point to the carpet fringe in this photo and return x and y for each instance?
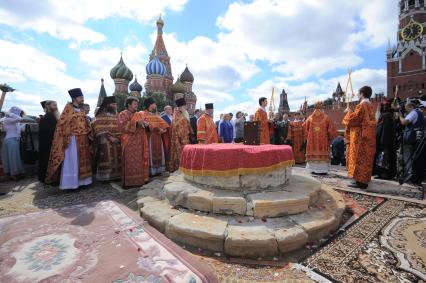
(310, 273)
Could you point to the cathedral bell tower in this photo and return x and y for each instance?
(406, 62)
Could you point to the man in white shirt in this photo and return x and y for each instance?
(411, 124)
(167, 116)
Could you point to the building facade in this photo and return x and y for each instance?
(406, 62)
(284, 107)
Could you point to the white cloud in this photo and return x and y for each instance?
(45, 77)
(11, 75)
(304, 38)
(217, 67)
(380, 22)
(101, 61)
(66, 19)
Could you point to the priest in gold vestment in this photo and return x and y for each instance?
(106, 131)
(320, 131)
(70, 162)
(181, 131)
(206, 128)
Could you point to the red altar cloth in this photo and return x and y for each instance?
(234, 159)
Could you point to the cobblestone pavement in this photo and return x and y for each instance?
(30, 195)
(338, 179)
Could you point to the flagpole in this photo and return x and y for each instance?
(272, 104)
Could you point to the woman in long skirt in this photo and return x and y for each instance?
(11, 156)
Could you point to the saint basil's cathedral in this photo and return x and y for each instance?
(159, 78)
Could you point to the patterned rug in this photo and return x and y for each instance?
(91, 243)
(284, 269)
(387, 244)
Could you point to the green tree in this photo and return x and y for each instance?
(328, 101)
(158, 98)
(120, 98)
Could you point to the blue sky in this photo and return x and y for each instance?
(237, 50)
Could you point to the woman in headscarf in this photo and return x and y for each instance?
(11, 156)
(385, 162)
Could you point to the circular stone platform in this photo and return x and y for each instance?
(237, 167)
(199, 208)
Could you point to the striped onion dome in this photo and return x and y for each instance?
(155, 67)
(135, 86)
(120, 71)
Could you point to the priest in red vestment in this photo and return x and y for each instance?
(297, 137)
(262, 117)
(157, 130)
(361, 125)
(181, 131)
(70, 161)
(134, 145)
(320, 131)
(206, 128)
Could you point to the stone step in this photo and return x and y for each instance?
(158, 214)
(274, 204)
(245, 182)
(199, 231)
(292, 198)
(250, 239)
(245, 236)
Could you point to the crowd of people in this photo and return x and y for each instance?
(386, 143)
(75, 149)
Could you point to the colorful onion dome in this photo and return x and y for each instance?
(120, 71)
(187, 76)
(155, 67)
(135, 86)
(178, 87)
(190, 96)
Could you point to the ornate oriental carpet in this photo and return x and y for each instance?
(91, 243)
(386, 244)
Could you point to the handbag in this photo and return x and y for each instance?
(382, 160)
(28, 153)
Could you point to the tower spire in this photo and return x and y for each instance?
(160, 25)
(159, 47)
(102, 94)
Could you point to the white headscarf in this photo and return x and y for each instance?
(15, 110)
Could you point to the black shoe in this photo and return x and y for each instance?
(358, 185)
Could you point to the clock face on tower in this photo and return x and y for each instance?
(412, 31)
